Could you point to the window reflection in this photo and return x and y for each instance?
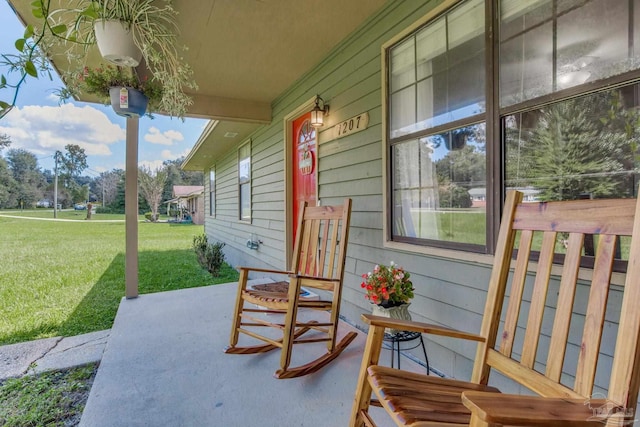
(585, 147)
(439, 187)
(546, 46)
(437, 76)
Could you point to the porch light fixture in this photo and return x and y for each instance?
(317, 114)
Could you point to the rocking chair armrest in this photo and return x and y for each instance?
(424, 328)
(518, 410)
(317, 282)
(314, 278)
(263, 270)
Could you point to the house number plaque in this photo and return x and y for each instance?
(352, 125)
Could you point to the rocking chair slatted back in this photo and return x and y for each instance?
(609, 219)
(318, 249)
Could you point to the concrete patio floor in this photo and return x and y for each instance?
(164, 366)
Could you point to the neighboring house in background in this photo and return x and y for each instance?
(188, 201)
(478, 197)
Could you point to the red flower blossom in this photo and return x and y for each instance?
(387, 285)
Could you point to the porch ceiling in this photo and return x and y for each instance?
(244, 53)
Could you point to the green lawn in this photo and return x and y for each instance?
(67, 278)
(54, 398)
(462, 226)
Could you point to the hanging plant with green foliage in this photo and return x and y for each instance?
(155, 33)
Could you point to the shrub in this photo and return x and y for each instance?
(150, 217)
(453, 196)
(210, 256)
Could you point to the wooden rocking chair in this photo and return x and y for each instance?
(318, 262)
(563, 394)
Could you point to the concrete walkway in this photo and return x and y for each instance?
(51, 354)
(164, 366)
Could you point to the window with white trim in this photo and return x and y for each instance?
(244, 182)
(212, 192)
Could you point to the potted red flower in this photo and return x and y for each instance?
(389, 288)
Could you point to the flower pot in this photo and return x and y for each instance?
(396, 312)
(115, 42)
(128, 103)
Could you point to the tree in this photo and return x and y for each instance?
(6, 179)
(73, 162)
(454, 196)
(79, 193)
(6, 183)
(574, 151)
(5, 141)
(151, 187)
(464, 166)
(106, 185)
(28, 179)
(177, 176)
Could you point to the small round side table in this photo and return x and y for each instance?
(405, 336)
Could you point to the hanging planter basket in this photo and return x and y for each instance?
(128, 102)
(115, 42)
(457, 141)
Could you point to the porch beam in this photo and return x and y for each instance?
(220, 108)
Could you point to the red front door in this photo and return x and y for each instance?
(304, 165)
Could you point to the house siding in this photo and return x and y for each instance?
(449, 291)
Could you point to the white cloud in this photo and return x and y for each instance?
(52, 97)
(167, 154)
(154, 136)
(44, 129)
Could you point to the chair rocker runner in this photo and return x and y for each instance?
(563, 390)
(318, 262)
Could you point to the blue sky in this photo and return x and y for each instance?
(42, 126)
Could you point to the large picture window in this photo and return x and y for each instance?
(559, 119)
(244, 182)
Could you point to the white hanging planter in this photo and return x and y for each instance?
(115, 42)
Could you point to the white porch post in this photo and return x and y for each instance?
(131, 208)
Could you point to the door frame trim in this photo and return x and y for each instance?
(288, 174)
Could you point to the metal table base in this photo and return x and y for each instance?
(404, 336)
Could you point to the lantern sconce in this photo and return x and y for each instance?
(317, 114)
